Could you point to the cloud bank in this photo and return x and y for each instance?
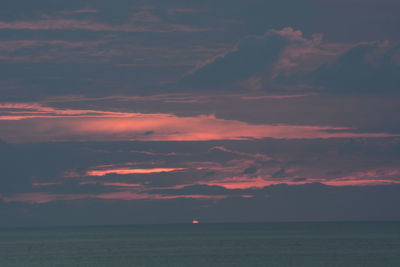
(286, 60)
(50, 124)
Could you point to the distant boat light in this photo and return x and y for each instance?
(195, 221)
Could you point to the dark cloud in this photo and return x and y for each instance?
(53, 175)
(182, 34)
(280, 173)
(64, 167)
(71, 188)
(33, 81)
(313, 202)
(275, 61)
(365, 68)
(14, 175)
(197, 190)
(252, 56)
(250, 170)
(285, 59)
(90, 60)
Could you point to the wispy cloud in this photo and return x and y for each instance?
(54, 23)
(51, 124)
(131, 171)
(43, 197)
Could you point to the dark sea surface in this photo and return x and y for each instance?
(241, 244)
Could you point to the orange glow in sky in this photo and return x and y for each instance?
(130, 171)
(51, 124)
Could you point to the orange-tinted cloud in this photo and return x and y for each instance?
(51, 124)
(241, 182)
(21, 111)
(130, 171)
(368, 178)
(363, 182)
(258, 182)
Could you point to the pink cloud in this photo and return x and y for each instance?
(127, 195)
(257, 156)
(46, 184)
(122, 184)
(130, 171)
(138, 192)
(51, 124)
(21, 111)
(260, 182)
(260, 97)
(363, 182)
(241, 182)
(54, 23)
(43, 197)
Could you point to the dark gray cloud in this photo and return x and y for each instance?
(91, 57)
(312, 202)
(287, 60)
(197, 190)
(181, 34)
(365, 68)
(14, 176)
(253, 56)
(62, 167)
(54, 176)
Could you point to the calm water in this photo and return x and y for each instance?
(268, 244)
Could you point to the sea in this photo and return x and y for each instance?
(327, 244)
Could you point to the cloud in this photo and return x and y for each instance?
(257, 60)
(44, 197)
(50, 23)
(312, 202)
(251, 56)
(55, 172)
(50, 124)
(116, 17)
(14, 178)
(103, 172)
(365, 68)
(287, 60)
(195, 190)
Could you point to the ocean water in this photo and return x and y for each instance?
(246, 244)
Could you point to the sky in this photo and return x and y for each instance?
(133, 111)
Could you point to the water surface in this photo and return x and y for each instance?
(245, 244)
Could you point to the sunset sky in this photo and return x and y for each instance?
(151, 111)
